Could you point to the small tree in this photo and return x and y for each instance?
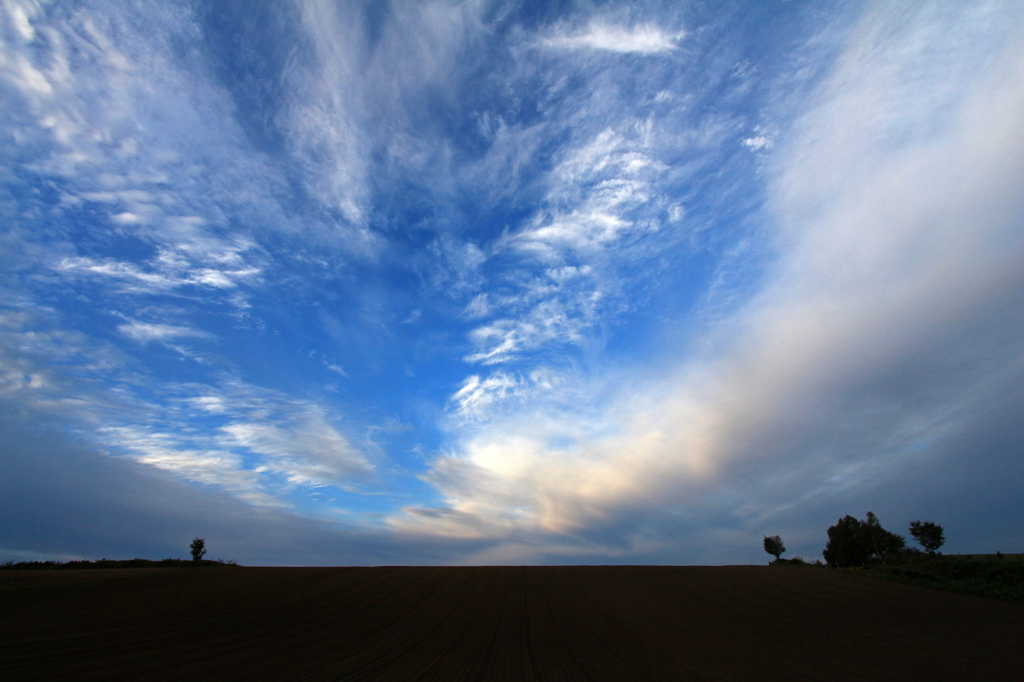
(774, 546)
(198, 548)
(928, 534)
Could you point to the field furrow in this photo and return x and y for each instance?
(500, 623)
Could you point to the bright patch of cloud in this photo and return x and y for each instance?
(644, 39)
(757, 143)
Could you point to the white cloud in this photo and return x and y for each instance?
(501, 393)
(644, 39)
(455, 266)
(757, 143)
(256, 444)
(19, 19)
(120, 270)
(548, 321)
(164, 451)
(35, 349)
(586, 229)
(127, 218)
(358, 95)
(323, 119)
(145, 332)
(501, 340)
(337, 369)
(210, 403)
(599, 197)
(173, 269)
(479, 307)
(305, 449)
(262, 448)
(103, 89)
(476, 395)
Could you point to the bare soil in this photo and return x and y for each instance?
(497, 623)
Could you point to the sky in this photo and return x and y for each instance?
(508, 282)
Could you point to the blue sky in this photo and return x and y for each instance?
(508, 282)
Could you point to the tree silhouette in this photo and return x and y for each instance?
(877, 540)
(198, 548)
(852, 542)
(774, 546)
(928, 534)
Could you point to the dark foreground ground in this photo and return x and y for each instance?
(536, 623)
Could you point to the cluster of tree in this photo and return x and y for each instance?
(855, 543)
(852, 542)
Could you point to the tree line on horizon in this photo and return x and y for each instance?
(853, 542)
(197, 548)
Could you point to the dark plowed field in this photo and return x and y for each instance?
(537, 623)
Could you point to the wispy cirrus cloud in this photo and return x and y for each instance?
(257, 444)
(609, 202)
(482, 399)
(122, 123)
(306, 449)
(603, 198)
(554, 319)
(222, 469)
(166, 272)
(357, 97)
(595, 194)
